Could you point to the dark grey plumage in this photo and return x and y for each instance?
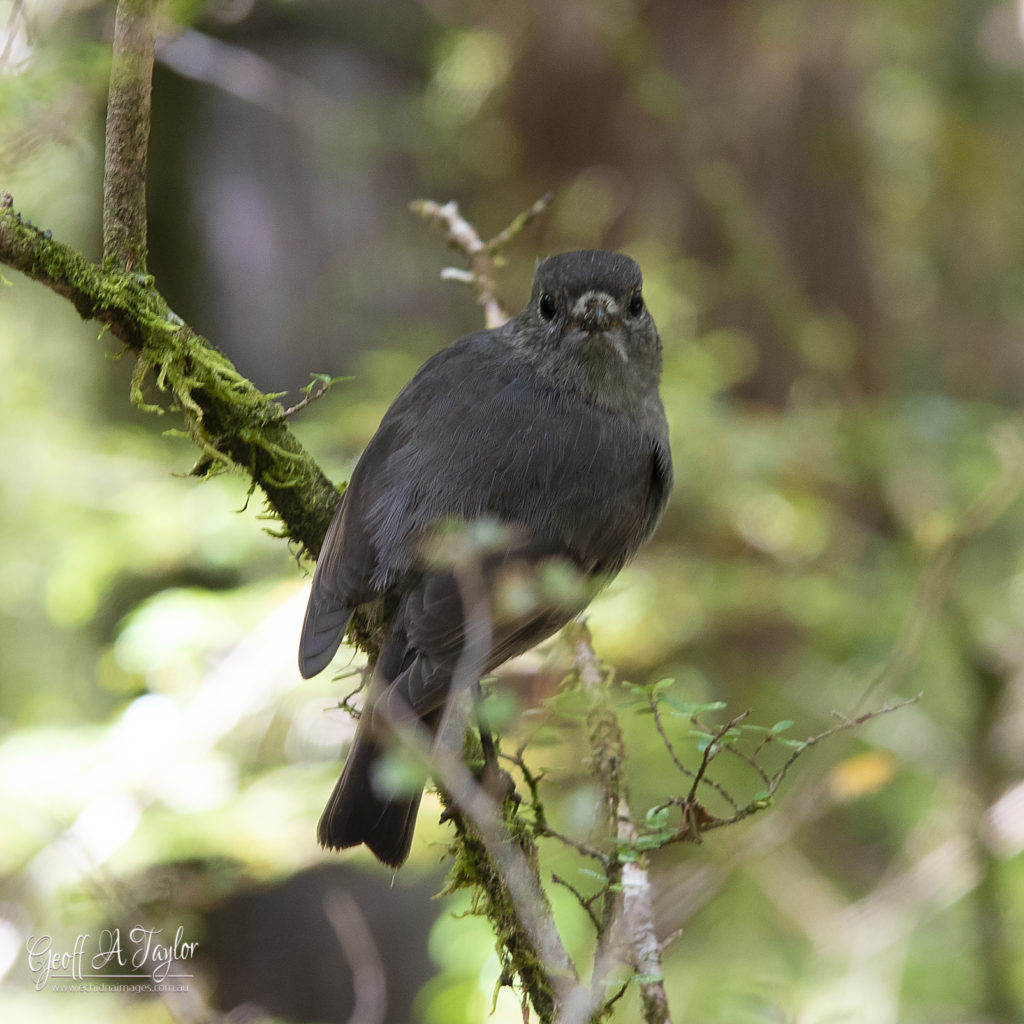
(551, 424)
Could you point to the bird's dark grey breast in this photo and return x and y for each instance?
(477, 433)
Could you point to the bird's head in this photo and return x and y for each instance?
(587, 327)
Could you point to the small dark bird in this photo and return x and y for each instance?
(552, 426)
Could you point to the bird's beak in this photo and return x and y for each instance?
(595, 311)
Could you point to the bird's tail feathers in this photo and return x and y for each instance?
(357, 812)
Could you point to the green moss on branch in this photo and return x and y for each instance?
(231, 421)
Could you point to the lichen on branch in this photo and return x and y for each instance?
(231, 421)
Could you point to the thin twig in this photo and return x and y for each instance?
(844, 725)
(519, 222)
(463, 236)
(312, 397)
(481, 255)
(775, 781)
(314, 392)
(710, 751)
(586, 902)
(655, 710)
(587, 851)
(689, 773)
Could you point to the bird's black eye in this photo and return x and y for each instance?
(636, 304)
(547, 306)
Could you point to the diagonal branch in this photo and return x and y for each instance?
(231, 420)
(482, 256)
(228, 418)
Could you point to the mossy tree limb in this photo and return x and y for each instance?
(231, 421)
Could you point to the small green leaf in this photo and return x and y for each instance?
(322, 380)
(689, 708)
(704, 739)
(654, 841)
(656, 818)
(782, 726)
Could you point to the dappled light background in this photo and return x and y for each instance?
(826, 203)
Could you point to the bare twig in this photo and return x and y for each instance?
(659, 725)
(519, 222)
(586, 902)
(481, 255)
(463, 236)
(714, 745)
(313, 396)
(320, 385)
(588, 851)
(127, 137)
(845, 724)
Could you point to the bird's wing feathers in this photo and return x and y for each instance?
(473, 435)
(503, 444)
(344, 570)
(438, 644)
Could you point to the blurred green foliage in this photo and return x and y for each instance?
(825, 200)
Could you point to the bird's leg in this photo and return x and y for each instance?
(494, 780)
(486, 738)
(497, 782)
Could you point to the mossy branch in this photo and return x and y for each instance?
(231, 421)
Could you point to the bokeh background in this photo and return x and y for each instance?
(827, 200)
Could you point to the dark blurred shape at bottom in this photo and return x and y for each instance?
(330, 944)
